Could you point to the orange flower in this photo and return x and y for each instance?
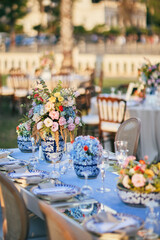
(149, 172)
(85, 148)
(72, 141)
(17, 128)
(141, 161)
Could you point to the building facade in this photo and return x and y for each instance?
(90, 14)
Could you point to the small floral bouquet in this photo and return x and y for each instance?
(85, 148)
(54, 112)
(24, 129)
(47, 60)
(140, 176)
(149, 74)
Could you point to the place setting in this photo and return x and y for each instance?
(106, 222)
(55, 192)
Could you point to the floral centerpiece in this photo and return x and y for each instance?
(47, 60)
(54, 113)
(149, 74)
(140, 180)
(85, 153)
(24, 131)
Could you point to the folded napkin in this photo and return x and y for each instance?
(29, 181)
(4, 154)
(7, 161)
(10, 167)
(54, 196)
(106, 222)
(52, 193)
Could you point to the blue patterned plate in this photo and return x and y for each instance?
(59, 192)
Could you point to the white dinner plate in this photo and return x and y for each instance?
(59, 192)
(125, 222)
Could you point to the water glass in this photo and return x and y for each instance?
(121, 151)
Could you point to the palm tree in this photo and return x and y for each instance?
(66, 34)
(126, 10)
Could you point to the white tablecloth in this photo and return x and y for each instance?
(149, 114)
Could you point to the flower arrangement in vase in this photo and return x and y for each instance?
(149, 74)
(24, 131)
(54, 114)
(47, 60)
(139, 181)
(85, 153)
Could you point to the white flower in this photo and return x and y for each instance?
(48, 122)
(39, 125)
(126, 181)
(36, 117)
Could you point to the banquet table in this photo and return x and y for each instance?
(149, 114)
(110, 199)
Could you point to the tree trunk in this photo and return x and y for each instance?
(66, 35)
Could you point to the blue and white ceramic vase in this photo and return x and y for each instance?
(89, 165)
(49, 148)
(136, 198)
(25, 145)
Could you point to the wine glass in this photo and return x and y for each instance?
(33, 159)
(54, 158)
(121, 151)
(103, 164)
(86, 209)
(69, 147)
(151, 223)
(86, 189)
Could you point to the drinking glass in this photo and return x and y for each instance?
(33, 159)
(103, 164)
(151, 223)
(69, 147)
(121, 151)
(86, 189)
(54, 159)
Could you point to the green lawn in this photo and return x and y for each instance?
(9, 121)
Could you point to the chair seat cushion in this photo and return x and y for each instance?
(37, 227)
(109, 126)
(6, 91)
(20, 93)
(90, 119)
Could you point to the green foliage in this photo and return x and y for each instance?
(11, 11)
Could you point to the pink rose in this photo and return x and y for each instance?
(62, 121)
(126, 181)
(77, 120)
(138, 180)
(71, 126)
(54, 115)
(54, 127)
(127, 160)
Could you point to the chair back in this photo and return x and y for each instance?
(129, 131)
(59, 227)
(14, 213)
(111, 109)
